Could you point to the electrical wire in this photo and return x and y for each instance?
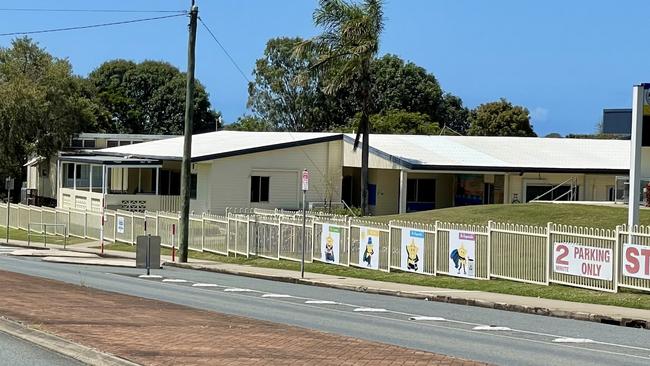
(232, 60)
(49, 10)
(90, 26)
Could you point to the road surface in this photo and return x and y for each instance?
(474, 333)
(16, 352)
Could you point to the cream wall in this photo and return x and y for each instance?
(228, 179)
(591, 187)
(387, 182)
(353, 158)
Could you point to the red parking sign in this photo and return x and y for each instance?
(305, 180)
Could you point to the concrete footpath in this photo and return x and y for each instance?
(556, 308)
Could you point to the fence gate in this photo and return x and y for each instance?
(583, 257)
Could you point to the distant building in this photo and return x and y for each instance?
(617, 121)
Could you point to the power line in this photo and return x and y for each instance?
(232, 60)
(49, 10)
(89, 26)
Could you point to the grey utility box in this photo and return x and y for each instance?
(150, 244)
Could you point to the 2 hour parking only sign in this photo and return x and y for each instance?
(583, 261)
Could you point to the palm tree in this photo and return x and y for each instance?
(345, 49)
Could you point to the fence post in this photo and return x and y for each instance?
(437, 244)
(617, 250)
(390, 244)
(85, 224)
(157, 223)
(489, 248)
(69, 220)
(202, 231)
(547, 256)
(132, 229)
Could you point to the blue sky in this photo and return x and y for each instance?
(564, 60)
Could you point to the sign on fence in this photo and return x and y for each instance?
(120, 224)
(636, 261)
(412, 251)
(462, 254)
(330, 242)
(582, 260)
(369, 248)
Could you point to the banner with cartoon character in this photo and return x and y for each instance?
(462, 249)
(369, 248)
(330, 240)
(412, 251)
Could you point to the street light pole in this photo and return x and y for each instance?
(186, 167)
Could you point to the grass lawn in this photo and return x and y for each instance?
(532, 214)
(626, 298)
(17, 234)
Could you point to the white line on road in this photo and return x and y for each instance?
(174, 280)
(277, 295)
(370, 310)
(239, 290)
(150, 276)
(573, 340)
(206, 285)
(427, 318)
(490, 327)
(321, 302)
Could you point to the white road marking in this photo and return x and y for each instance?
(238, 290)
(573, 340)
(370, 310)
(490, 327)
(206, 285)
(149, 276)
(322, 302)
(174, 280)
(427, 318)
(277, 295)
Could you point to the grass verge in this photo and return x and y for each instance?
(625, 298)
(539, 214)
(18, 234)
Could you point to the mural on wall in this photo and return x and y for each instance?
(469, 189)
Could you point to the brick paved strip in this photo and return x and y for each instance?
(153, 332)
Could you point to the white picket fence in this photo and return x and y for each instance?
(598, 259)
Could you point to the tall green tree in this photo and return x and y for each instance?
(500, 118)
(249, 123)
(148, 97)
(42, 104)
(345, 50)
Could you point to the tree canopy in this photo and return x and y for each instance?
(42, 104)
(500, 118)
(147, 97)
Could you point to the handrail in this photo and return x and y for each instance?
(574, 184)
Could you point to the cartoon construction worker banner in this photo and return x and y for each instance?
(412, 251)
(462, 251)
(330, 240)
(369, 248)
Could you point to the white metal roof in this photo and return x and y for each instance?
(212, 145)
(123, 136)
(418, 151)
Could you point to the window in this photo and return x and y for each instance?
(112, 143)
(259, 189)
(77, 143)
(89, 143)
(122, 143)
(420, 194)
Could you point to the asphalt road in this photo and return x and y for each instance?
(488, 335)
(16, 352)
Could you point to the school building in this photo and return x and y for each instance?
(407, 172)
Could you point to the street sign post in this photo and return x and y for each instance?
(305, 188)
(640, 109)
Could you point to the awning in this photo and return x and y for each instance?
(117, 161)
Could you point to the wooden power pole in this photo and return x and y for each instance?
(186, 168)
